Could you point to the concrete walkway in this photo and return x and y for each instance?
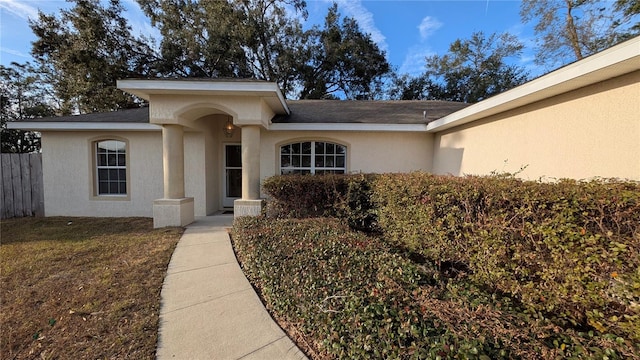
(209, 310)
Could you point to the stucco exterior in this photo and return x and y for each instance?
(203, 153)
(590, 132)
(367, 152)
(68, 174)
(581, 121)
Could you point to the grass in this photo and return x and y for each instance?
(81, 287)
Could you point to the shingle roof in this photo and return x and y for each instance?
(310, 111)
(372, 112)
(140, 115)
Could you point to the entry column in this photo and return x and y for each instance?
(174, 209)
(250, 204)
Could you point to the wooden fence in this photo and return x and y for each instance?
(22, 190)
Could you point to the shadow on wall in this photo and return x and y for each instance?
(448, 160)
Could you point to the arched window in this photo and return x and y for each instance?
(111, 167)
(313, 157)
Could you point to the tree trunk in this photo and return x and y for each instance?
(572, 32)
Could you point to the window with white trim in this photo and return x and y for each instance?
(313, 157)
(111, 168)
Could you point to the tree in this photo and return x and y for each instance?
(569, 30)
(199, 38)
(239, 39)
(475, 68)
(630, 10)
(405, 87)
(21, 98)
(263, 39)
(274, 40)
(84, 51)
(341, 59)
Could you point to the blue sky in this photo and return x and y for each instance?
(407, 30)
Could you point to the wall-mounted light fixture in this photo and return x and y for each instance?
(228, 128)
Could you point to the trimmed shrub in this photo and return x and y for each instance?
(303, 196)
(345, 290)
(306, 196)
(349, 295)
(568, 250)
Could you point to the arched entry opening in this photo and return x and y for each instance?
(200, 164)
(213, 169)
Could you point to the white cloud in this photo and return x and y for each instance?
(428, 26)
(364, 17)
(14, 52)
(414, 61)
(19, 9)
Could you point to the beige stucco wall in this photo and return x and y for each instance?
(184, 109)
(591, 132)
(68, 174)
(204, 151)
(367, 152)
(68, 178)
(194, 171)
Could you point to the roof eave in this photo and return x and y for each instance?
(269, 91)
(369, 127)
(81, 126)
(613, 62)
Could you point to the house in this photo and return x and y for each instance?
(203, 146)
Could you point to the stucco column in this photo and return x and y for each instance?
(251, 162)
(173, 161)
(174, 209)
(250, 204)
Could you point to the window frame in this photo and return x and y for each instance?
(313, 167)
(95, 178)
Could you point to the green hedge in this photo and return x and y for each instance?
(568, 250)
(348, 295)
(344, 291)
(304, 196)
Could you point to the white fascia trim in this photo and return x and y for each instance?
(200, 85)
(144, 88)
(81, 126)
(348, 127)
(616, 61)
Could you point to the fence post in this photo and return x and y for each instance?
(21, 185)
(37, 185)
(25, 178)
(7, 187)
(16, 183)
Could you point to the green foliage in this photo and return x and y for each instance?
(21, 98)
(497, 266)
(568, 250)
(301, 196)
(82, 53)
(475, 69)
(405, 87)
(339, 287)
(264, 39)
(349, 295)
(341, 59)
(567, 31)
(205, 38)
(304, 196)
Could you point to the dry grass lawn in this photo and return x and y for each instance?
(83, 288)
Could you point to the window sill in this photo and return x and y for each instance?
(111, 198)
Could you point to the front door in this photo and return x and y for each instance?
(232, 181)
